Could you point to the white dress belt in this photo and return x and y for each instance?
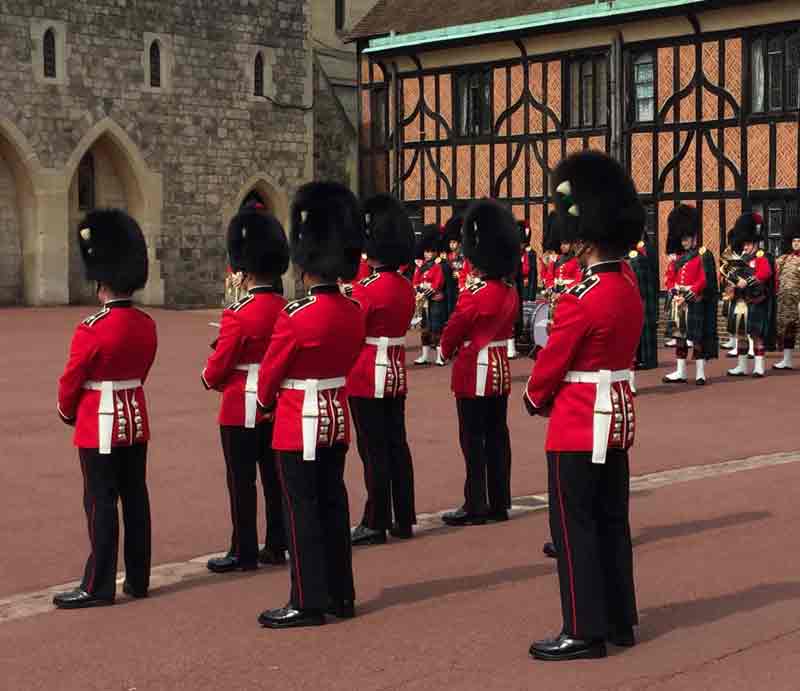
(383, 344)
(603, 408)
(482, 370)
(105, 411)
(311, 387)
(250, 392)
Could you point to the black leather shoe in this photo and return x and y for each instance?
(362, 535)
(130, 591)
(461, 517)
(288, 618)
(342, 609)
(667, 380)
(566, 648)
(401, 532)
(497, 516)
(79, 599)
(275, 557)
(229, 563)
(549, 550)
(623, 638)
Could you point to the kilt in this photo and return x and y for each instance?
(693, 329)
(757, 324)
(435, 316)
(647, 352)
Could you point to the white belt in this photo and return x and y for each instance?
(382, 359)
(105, 411)
(311, 387)
(250, 393)
(482, 371)
(603, 408)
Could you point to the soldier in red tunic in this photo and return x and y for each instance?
(100, 394)
(377, 385)
(580, 380)
(481, 381)
(316, 342)
(455, 253)
(258, 248)
(430, 286)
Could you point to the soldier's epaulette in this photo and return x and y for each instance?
(294, 307)
(370, 279)
(96, 317)
(702, 250)
(477, 286)
(579, 290)
(236, 306)
(760, 253)
(633, 254)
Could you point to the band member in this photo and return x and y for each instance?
(481, 380)
(460, 265)
(566, 269)
(377, 384)
(749, 286)
(787, 287)
(551, 246)
(429, 284)
(580, 380)
(233, 285)
(100, 393)
(526, 280)
(257, 247)
(727, 256)
(692, 282)
(314, 345)
(644, 262)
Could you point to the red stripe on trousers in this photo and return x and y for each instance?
(295, 551)
(566, 546)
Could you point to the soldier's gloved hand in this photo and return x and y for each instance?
(533, 411)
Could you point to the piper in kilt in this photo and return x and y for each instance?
(430, 284)
(749, 286)
(645, 265)
(527, 280)
(692, 282)
(787, 287)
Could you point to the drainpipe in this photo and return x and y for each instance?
(617, 98)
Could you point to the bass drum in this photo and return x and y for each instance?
(540, 322)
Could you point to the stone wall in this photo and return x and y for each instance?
(334, 136)
(204, 132)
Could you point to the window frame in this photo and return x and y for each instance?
(156, 76)
(50, 54)
(258, 75)
(485, 115)
(576, 114)
(765, 204)
(633, 114)
(775, 45)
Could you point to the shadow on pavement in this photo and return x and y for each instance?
(657, 621)
(665, 532)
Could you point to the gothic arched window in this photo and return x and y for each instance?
(86, 187)
(155, 65)
(258, 77)
(49, 53)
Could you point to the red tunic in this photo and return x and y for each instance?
(244, 334)
(760, 264)
(461, 268)
(431, 273)
(387, 300)
(546, 272)
(690, 275)
(485, 314)
(318, 337)
(364, 269)
(566, 272)
(116, 344)
(597, 325)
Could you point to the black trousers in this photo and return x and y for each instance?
(486, 445)
(245, 450)
(107, 479)
(591, 530)
(388, 471)
(317, 526)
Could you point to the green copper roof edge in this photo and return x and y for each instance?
(597, 10)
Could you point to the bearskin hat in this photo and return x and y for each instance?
(327, 235)
(597, 202)
(113, 250)
(791, 231)
(257, 243)
(390, 235)
(491, 238)
(452, 230)
(430, 240)
(683, 222)
(524, 232)
(551, 238)
(746, 229)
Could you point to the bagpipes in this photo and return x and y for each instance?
(735, 268)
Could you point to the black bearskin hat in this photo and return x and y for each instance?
(430, 240)
(390, 235)
(113, 250)
(491, 238)
(746, 229)
(327, 235)
(257, 243)
(683, 222)
(524, 232)
(452, 230)
(551, 239)
(597, 202)
(791, 231)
